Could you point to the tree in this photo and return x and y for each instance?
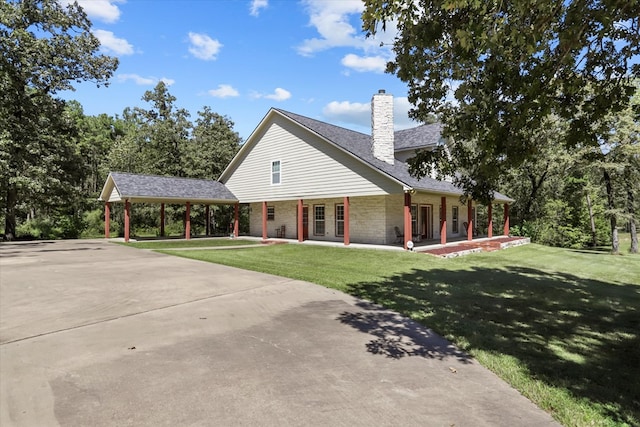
(45, 48)
(510, 65)
(213, 145)
(165, 132)
(618, 157)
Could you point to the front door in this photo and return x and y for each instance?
(426, 221)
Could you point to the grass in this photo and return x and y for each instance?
(195, 243)
(561, 326)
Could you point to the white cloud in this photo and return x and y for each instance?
(256, 5)
(112, 44)
(224, 91)
(331, 20)
(203, 46)
(339, 25)
(279, 94)
(359, 114)
(348, 112)
(103, 10)
(365, 63)
(401, 107)
(144, 81)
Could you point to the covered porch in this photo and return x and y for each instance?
(430, 218)
(379, 220)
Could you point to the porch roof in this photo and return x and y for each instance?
(138, 188)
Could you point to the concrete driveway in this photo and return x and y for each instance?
(97, 334)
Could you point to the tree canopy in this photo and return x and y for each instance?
(44, 48)
(493, 71)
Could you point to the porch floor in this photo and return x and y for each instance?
(454, 247)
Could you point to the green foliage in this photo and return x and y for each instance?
(213, 145)
(60, 226)
(510, 65)
(45, 48)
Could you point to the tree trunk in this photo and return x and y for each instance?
(10, 213)
(632, 222)
(536, 184)
(615, 244)
(593, 224)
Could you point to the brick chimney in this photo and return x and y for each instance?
(382, 126)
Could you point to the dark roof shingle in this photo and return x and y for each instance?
(166, 187)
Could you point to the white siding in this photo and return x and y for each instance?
(311, 168)
(115, 197)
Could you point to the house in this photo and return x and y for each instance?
(306, 179)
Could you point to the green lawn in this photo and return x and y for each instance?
(562, 326)
(194, 243)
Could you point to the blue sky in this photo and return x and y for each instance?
(242, 57)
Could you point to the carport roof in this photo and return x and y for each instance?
(138, 188)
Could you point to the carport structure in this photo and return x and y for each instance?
(131, 188)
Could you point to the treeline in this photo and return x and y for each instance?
(581, 195)
(75, 159)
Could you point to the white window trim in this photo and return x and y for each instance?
(279, 173)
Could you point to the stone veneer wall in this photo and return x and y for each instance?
(372, 219)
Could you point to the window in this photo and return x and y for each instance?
(318, 220)
(339, 220)
(454, 219)
(275, 172)
(271, 213)
(414, 219)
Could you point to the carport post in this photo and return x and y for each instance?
(207, 216)
(443, 221)
(506, 219)
(187, 225)
(107, 219)
(469, 220)
(236, 220)
(490, 226)
(161, 219)
(127, 215)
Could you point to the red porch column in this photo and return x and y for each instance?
(207, 219)
(187, 223)
(127, 215)
(407, 218)
(236, 220)
(264, 220)
(443, 221)
(469, 220)
(506, 219)
(490, 226)
(346, 221)
(162, 219)
(300, 220)
(107, 219)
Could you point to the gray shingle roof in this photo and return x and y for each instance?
(165, 187)
(359, 144)
(423, 136)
